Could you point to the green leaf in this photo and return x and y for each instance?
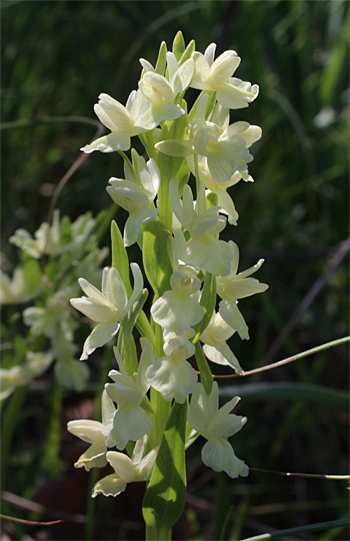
(172, 129)
(125, 333)
(161, 60)
(188, 52)
(156, 261)
(178, 45)
(164, 500)
(206, 375)
(32, 273)
(208, 301)
(120, 260)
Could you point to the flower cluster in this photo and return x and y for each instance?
(188, 267)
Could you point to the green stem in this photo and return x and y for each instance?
(165, 212)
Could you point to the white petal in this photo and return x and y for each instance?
(219, 456)
(87, 430)
(111, 485)
(122, 465)
(100, 335)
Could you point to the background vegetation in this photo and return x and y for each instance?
(57, 56)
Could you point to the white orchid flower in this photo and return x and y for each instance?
(172, 375)
(18, 376)
(177, 310)
(107, 307)
(70, 373)
(215, 348)
(92, 432)
(217, 76)
(17, 290)
(235, 286)
(126, 470)
(161, 93)
(203, 250)
(136, 198)
(216, 425)
(226, 150)
(120, 120)
(129, 421)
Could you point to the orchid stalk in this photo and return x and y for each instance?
(154, 402)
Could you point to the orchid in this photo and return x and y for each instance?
(172, 375)
(237, 286)
(126, 470)
(177, 310)
(204, 250)
(106, 307)
(120, 120)
(18, 376)
(161, 93)
(216, 425)
(216, 75)
(17, 290)
(136, 195)
(215, 348)
(92, 432)
(129, 421)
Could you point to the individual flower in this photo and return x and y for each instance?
(216, 425)
(92, 432)
(18, 290)
(216, 75)
(129, 421)
(177, 310)
(215, 348)
(50, 320)
(161, 93)
(226, 150)
(107, 307)
(203, 250)
(18, 376)
(126, 470)
(70, 373)
(235, 286)
(172, 375)
(136, 196)
(120, 120)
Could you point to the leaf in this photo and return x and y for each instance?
(208, 301)
(299, 529)
(164, 500)
(172, 129)
(161, 60)
(120, 260)
(156, 261)
(125, 333)
(205, 372)
(178, 45)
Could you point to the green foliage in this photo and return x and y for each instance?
(158, 269)
(165, 496)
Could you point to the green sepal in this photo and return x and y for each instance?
(156, 261)
(161, 60)
(120, 260)
(178, 45)
(164, 500)
(208, 301)
(205, 373)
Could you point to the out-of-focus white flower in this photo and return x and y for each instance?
(50, 320)
(177, 310)
(237, 286)
(203, 250)
(17, 290)
(216, 425)
(17, 376)
(136, 196)
(129, 421)
(120, 120)
(92, 432)
(107, 307)
(172, 375)
(70, 373)
(126, 470)
(216, 75)
(161, 93)
(215, 349)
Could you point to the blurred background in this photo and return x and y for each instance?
(57, 57)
